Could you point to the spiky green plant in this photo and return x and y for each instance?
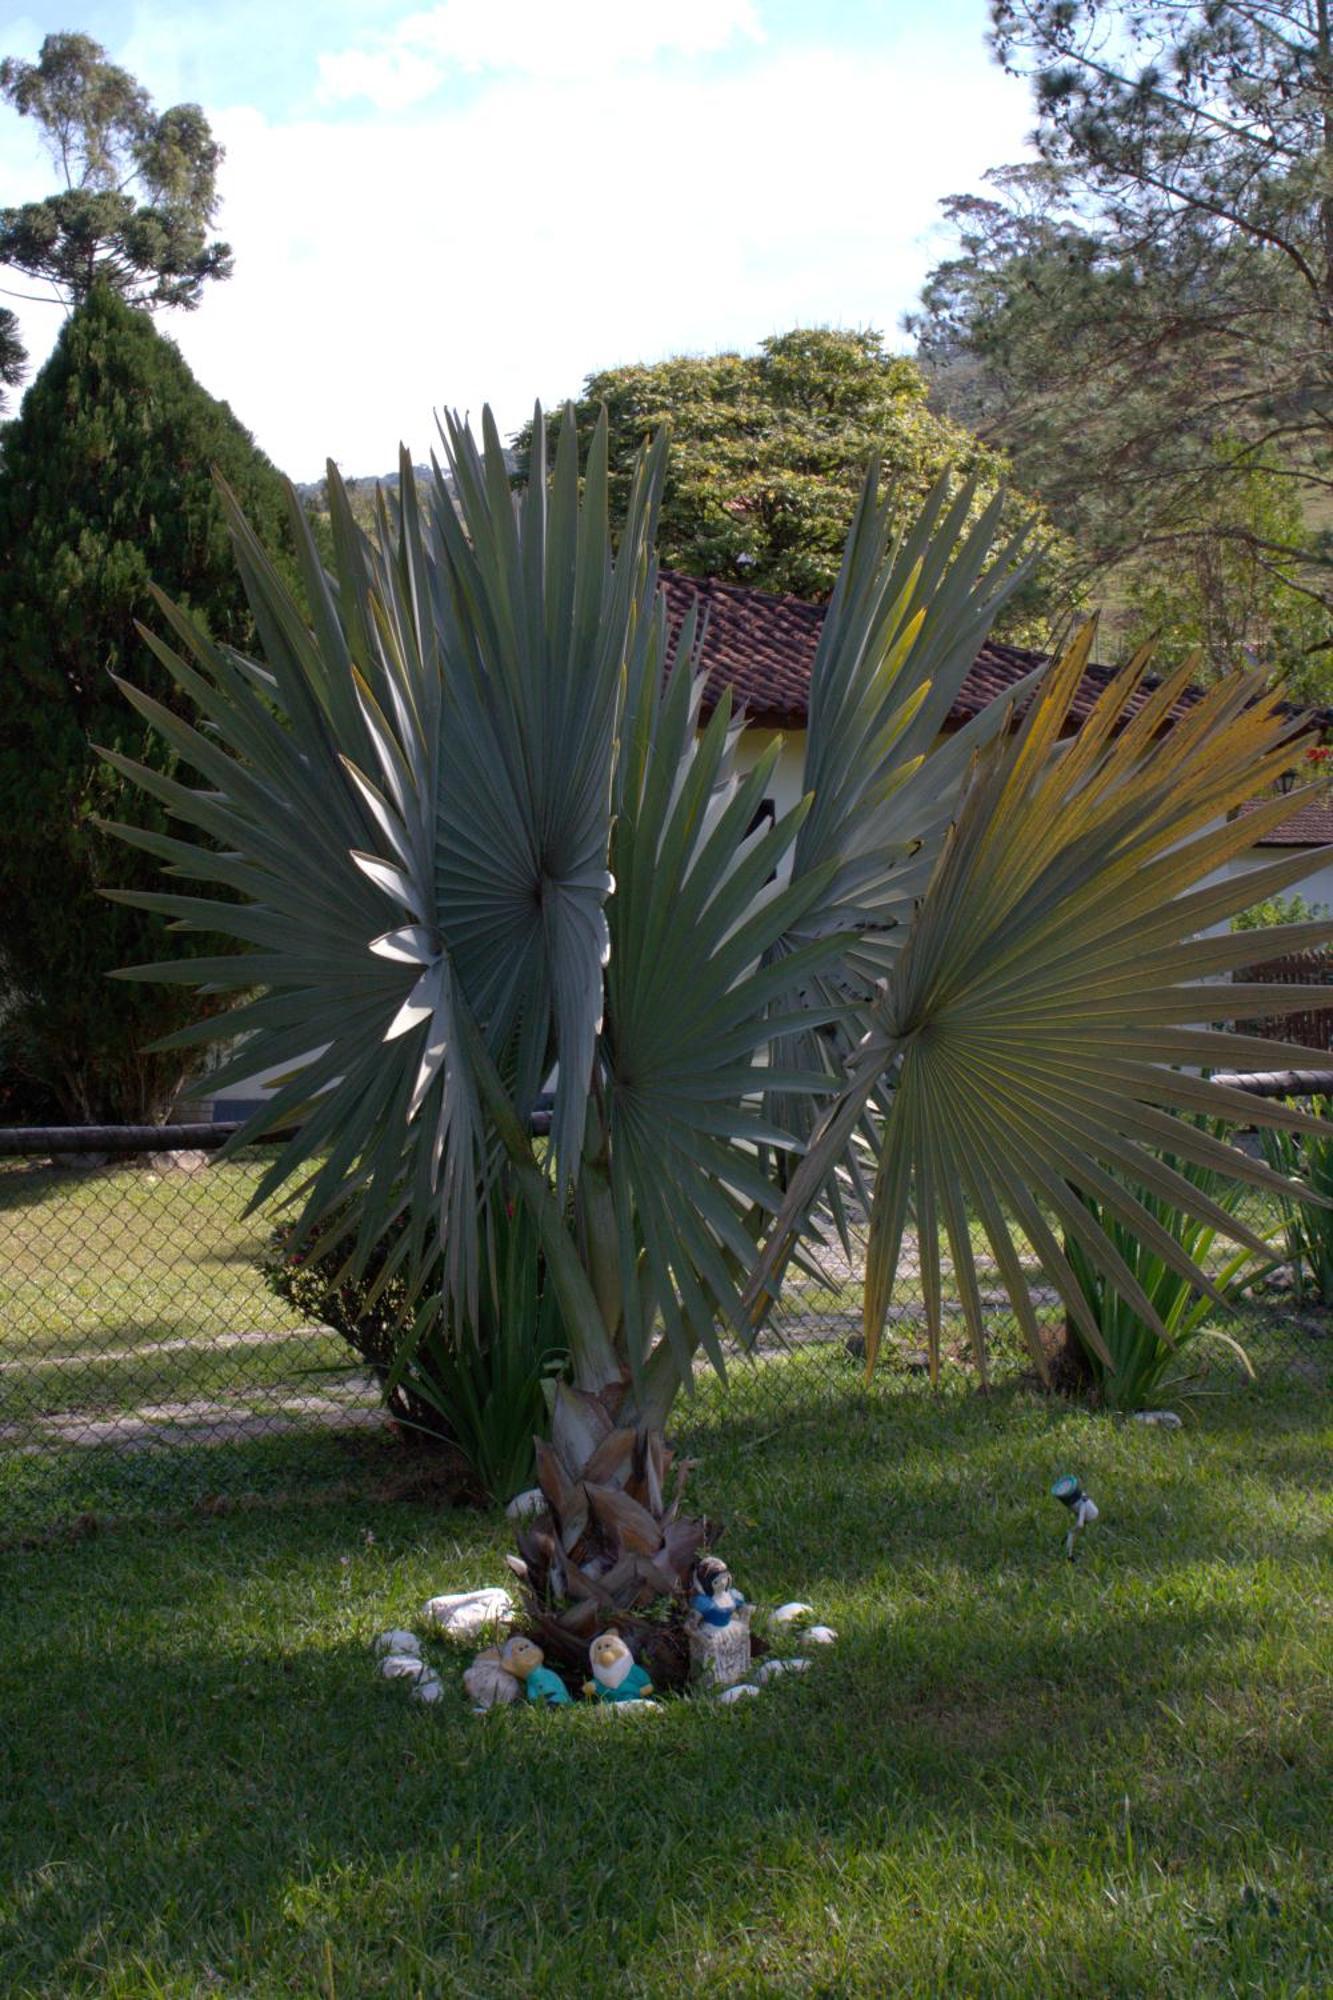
(531, 857)
(479, 1386)
(1143, 1365)
(475, 831)
(1306, 1157)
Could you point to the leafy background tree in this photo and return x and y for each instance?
(105, 488)
(140, 186)
(768, 454)
(1144, 318)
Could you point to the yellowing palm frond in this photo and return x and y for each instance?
(1049, 1010)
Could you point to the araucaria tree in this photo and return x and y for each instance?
(472, 837)
(140, 186)
(105, 488)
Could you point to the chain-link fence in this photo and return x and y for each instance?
(138, 1318)
(135, 1307)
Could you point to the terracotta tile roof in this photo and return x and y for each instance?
(1311, 825)
(762, 646)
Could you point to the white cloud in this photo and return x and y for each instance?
(578, 38)
(389, 266)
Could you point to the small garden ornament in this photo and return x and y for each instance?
(1082, 1508)
(718, 1627)
(488, 1683)
(615, 1676)
(523, 1658)
(713, 1598)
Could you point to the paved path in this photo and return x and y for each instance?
(93, 1357)
(198, 1422)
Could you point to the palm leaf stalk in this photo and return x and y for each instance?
(472, 831)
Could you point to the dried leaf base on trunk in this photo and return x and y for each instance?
(610, 1551)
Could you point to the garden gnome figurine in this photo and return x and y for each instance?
(523, 1658)
(615, 1676)
(718, 1627)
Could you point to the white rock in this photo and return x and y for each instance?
(820, 1635)
(429, 1688)
(403, 1667)
(791, 1614)
(737, 1693)
(490, 1685)
(525, 1504)
(467, 1614)
(769, 1670)
(1166, 1420)
(624, 1707)
(398, 1641)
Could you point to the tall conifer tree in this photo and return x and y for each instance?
(105, 488)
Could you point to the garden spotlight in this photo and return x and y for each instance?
(1083, 1509)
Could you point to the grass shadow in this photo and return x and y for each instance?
(215, 1778)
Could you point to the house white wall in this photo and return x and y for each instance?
(786, 781)
(1316, 887)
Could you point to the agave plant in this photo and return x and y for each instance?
(470, 824)
(1305, 1159)
(1144, 1368)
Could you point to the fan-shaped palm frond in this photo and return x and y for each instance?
(414, 808)
(414, 795)
(1048, 1012)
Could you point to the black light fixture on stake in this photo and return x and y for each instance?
(1083, 1509)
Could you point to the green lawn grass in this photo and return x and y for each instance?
(87, 1252)
(1011, 1776)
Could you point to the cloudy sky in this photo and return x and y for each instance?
(485, 200)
